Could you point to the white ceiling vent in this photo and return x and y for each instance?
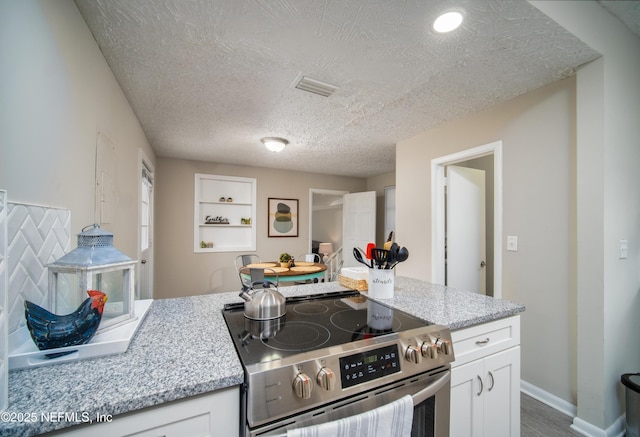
(316, 86)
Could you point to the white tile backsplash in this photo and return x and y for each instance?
(36, 236)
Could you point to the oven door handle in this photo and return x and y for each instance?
(432, 389)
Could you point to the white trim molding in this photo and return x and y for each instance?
(438, 205)
(559, 404)
(617, 428)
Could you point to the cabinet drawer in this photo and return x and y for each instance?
(211, 414)
(488, 338)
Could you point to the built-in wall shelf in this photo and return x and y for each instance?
(228, 199)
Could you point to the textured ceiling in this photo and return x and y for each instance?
(628, 11)
(208, 78)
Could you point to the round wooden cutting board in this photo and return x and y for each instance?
(261, 265)
(304, 263)
(306, 269)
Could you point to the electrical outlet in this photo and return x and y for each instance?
(623, 249)
(512, 243)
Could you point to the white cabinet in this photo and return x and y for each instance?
(485, 380)
(224, 214)
(213, 414)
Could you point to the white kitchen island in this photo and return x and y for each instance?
(183, 352)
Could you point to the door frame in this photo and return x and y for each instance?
(438, 210)
(313, 191)
(145, 162)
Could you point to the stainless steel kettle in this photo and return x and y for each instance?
(263, 301)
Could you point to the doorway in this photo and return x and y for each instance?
(472, 158)
(325, 217)
(144, 289)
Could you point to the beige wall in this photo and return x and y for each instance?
(179, 271)
(608, 210)
(536, 131)
(57, 94)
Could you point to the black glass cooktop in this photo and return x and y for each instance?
(313, 322)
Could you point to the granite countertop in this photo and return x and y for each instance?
(183, 349)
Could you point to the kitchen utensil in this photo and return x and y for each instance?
(263, 301)
(402, 255)
(379, 256)
(370, 247)
(389, 242)
(358, 256)
(392, 255)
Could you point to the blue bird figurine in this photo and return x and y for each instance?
(50, 331)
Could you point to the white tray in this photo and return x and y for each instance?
(23, 352)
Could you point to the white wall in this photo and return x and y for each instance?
(608, 207)
(57, 94)
(538, 152)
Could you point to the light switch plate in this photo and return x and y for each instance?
(512, 243)
(623, 249)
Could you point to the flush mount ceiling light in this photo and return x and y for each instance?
(274, 144)
(447, 22)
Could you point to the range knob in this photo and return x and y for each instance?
(429, 350)
(444, 346)
(412, 353)
(302, 386)
(326, 378)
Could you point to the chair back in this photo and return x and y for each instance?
(310, 257)
(245, 260)
(256, 277)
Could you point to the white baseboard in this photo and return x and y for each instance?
(545, 397)
(617, 428)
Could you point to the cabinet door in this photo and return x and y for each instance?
(502, 393)
(467, 400)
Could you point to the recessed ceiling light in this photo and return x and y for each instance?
(447, 22)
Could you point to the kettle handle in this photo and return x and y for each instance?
(264, 283)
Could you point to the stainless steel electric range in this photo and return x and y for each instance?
(336, 355)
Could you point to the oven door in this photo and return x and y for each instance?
(431, 397)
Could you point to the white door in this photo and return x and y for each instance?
(358, 224)
(145, 266)
(465, 233)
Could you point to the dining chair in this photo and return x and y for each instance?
(245, 260)
(256, 277)
(310, 257)
(336, 272)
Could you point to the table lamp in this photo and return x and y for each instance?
(325, 249)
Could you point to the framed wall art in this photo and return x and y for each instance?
(283, 217)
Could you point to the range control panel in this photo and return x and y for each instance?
(367, 366)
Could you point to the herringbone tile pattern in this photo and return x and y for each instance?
(36, 236)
